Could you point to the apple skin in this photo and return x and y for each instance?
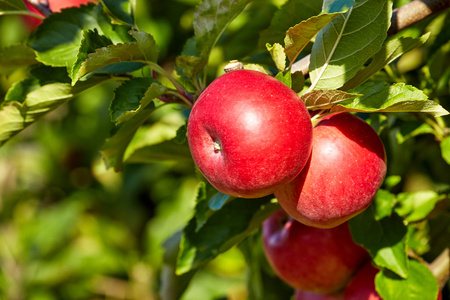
(58, 5)
(308, 258)
(303, 295)
(249, 134)
(362, 285)
(345, 170)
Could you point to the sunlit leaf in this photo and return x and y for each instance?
(343, 46)
(384, 203)
(380, 97)
(298, 36)
(325, 99)
(278, 55)
(445, 149)
(390, 51)
(60, 50)
(416, 206)
(385, 239)
(420, 284)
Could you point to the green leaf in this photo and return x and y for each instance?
(298, 36)
(16, 116)
(285, 77)
(133, 96)
(278, 55)
(325, 99)
(420, 284)
(385, 239)
(291, 13)
(222, 230)
(14, 57)
(131, 107)
(143, 50)
(347, 42)
(90, 41)
(380, 97)
(60, 50)
(416, 206)
(19, 90)
(211, 18)
(384, 203)
(389, 52)
(116, 10)
(12, 5)
(445, 149)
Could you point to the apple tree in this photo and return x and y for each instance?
(106, 191)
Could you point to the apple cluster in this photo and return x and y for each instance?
(250, 135)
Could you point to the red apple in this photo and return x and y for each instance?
(32, 22)
(303, 295)
(362, 285)
(308, 258)
(345, 170)
(58, 5)
(249, 134)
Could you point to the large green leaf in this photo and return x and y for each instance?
(60, 50)
(118, 12)
(17, 114)
(380, 97)
(343, 46)
(420, 284)
(390, 51)
(13, 57)
(385, 239)
(223, 229)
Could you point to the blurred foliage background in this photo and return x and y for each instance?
(72, 229)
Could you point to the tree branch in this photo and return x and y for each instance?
(402, 17)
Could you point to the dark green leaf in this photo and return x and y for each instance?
(380, 97)
(390, 51)
(60, 50)
(163, 151)
(325, 99)
(343, 46)
(409, 130)
(298, 36)
(416, 206)
(133, 96)
(223, 229)
(385, 239)
(19, 90)
(420, 284)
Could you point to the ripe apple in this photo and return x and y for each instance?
(345, 170)
(303, 295)
(249, 134)
(32, 22)
(362, 285)
(58, 5)
(308, 258)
